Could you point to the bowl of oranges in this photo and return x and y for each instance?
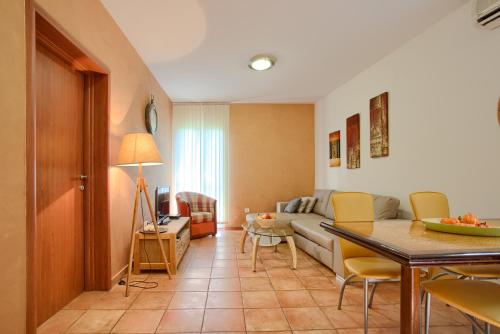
(467, 224)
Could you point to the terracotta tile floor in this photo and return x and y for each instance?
(216, 290)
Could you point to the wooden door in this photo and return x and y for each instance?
(59, 235)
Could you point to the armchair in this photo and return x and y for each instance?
(201, 209)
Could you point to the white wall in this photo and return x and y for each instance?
(443, 132)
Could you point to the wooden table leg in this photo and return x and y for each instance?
(256, 239)
(293, 250)
(243, 238)
(410, 300)
(137, 254)
(131, 254)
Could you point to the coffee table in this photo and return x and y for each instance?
(269, 236)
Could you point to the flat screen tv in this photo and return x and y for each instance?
(162, 202)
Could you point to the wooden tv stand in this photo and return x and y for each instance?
(176, 240)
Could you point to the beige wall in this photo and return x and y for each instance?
(88, 23)
(131, 85)
(12, 168)
(443, 90)
(271, 156)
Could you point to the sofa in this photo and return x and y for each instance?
(313, 239)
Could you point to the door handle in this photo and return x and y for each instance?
(82, 178)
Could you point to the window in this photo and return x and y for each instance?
(200, 153)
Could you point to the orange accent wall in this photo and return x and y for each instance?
(271, 156)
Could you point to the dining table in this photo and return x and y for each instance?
(409, 243)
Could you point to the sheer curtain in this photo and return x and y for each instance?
(200, 154)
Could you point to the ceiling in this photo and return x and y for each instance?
(199, 49)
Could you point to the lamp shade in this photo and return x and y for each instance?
(138, 148)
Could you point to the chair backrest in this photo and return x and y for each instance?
(351, 207)
(429, 204)
(197, 201)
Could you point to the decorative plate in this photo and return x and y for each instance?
(434, 224)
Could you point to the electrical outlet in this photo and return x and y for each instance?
(247, 210)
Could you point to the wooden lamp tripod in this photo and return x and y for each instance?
(139, 149)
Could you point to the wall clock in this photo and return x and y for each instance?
(151, 116)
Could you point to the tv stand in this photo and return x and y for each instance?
(175, 240)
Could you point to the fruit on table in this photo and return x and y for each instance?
(266, 216)
(450, 221)
(467, 220)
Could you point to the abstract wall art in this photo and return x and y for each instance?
(353, 142)
(334, 141)
(379, 126)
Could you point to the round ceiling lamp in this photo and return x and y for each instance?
(261, 62)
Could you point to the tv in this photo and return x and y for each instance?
(162, 202)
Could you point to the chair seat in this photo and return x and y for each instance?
(480, 271)
(201, 217)
(373, 267)
(480, 299)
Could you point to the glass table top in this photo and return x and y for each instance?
(274, 228)
(411, 239)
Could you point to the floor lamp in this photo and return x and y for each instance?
(139, 149)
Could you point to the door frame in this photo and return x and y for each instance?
(40, 30)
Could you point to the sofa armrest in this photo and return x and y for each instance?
(280, 206)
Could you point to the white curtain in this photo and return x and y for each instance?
(200, 154)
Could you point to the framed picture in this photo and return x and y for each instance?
(353, 142)
(334, 140)
(379, 126)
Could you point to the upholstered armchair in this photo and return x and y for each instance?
(202, 211)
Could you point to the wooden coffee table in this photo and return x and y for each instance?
(268, 236)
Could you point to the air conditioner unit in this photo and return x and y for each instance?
(488, 13)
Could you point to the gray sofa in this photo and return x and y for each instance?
(313, 239)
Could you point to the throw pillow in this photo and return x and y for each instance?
(303, 205)
(310, 204)
(293, 205)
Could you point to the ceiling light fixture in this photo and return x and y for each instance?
(261, 62)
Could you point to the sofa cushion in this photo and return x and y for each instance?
(302, 206)
(311, 201)
(322, 196)
(293, 205)
(329, 208)
(310, 229)
(201, 217)
(385, 207)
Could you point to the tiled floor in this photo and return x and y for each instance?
(216, 291)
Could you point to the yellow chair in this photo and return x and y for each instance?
(360, 262)
(435, 205)
(429, 204)
(477, 300)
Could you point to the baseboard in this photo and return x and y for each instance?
(119, 275)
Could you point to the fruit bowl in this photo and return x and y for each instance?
(452, 225)
(266, 220)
